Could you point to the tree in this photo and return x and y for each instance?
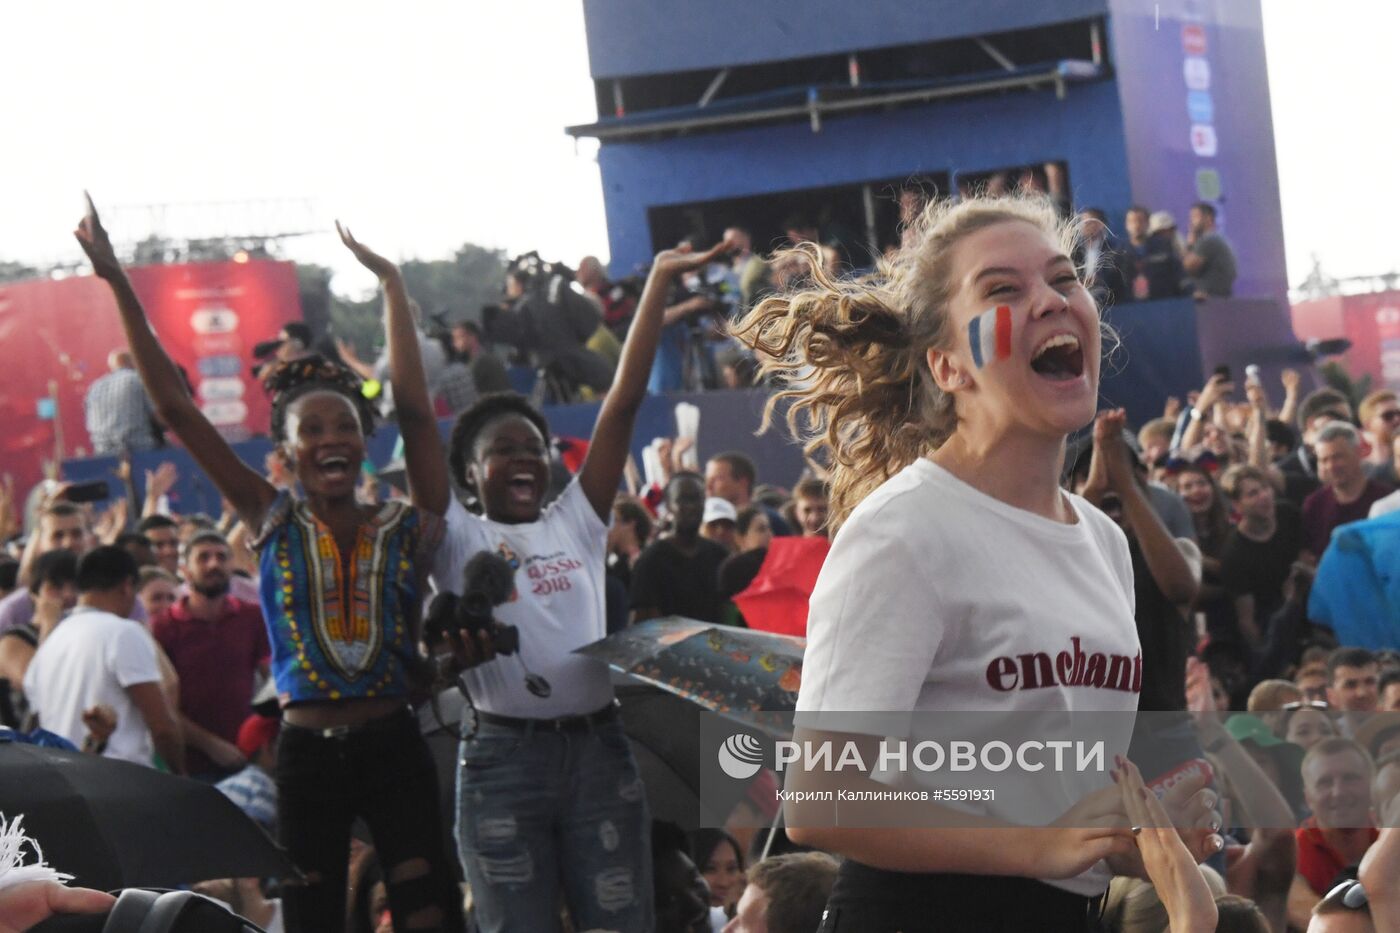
(1336, 376)
(361, 323)
(15, 271)
(447, 290)
(452, 290)
(154, 250)
(314, 290)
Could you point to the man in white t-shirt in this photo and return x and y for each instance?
(98, 656)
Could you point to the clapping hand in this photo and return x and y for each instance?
(161, 480)
(112, 522)
(1200, 698)
(1216, 388)
(1112, 461)
(1258, 401)
(1169, 863)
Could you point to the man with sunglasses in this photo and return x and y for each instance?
(1379, 414)
(1386, 473)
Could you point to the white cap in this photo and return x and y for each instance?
(717, 509)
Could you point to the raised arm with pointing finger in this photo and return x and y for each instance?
(424, 457)
(249, 493)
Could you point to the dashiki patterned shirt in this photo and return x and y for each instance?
(339, 635)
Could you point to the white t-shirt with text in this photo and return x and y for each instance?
(938, 597)
(558, 605)
(92, 657)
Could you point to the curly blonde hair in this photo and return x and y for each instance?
(850, 353)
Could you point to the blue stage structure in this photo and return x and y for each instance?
(738, 112)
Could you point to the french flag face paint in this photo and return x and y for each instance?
(989, 334)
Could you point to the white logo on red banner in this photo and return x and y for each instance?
(216, 344)
(225, 414)
(1193, 39)
(214, 321)
(1197, 73)
(221, 390)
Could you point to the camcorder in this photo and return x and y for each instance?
(549, 327)
(488, 581)
(721, 298)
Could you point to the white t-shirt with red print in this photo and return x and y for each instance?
(938, 597)
(558, 605)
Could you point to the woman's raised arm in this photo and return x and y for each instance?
(612, 434)
(249, 493)
(426, 463)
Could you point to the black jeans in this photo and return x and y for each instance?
(381, 771)
(869, 900)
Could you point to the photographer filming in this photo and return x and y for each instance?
(292, 342)
(550, 324)
(697, 309)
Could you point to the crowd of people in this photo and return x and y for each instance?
(1241, 552)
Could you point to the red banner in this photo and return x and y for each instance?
(55, 337)
(1371, 322)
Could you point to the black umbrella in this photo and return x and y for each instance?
(665, 732)
(113, 824)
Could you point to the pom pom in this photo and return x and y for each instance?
(13, 871)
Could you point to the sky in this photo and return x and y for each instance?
(443, 123)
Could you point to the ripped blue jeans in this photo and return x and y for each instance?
(540, 812)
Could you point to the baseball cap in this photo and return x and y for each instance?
(717, 509)
(1160, 220)
(1245, 727)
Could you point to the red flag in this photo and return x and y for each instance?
(572, 451)
(776, 600)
